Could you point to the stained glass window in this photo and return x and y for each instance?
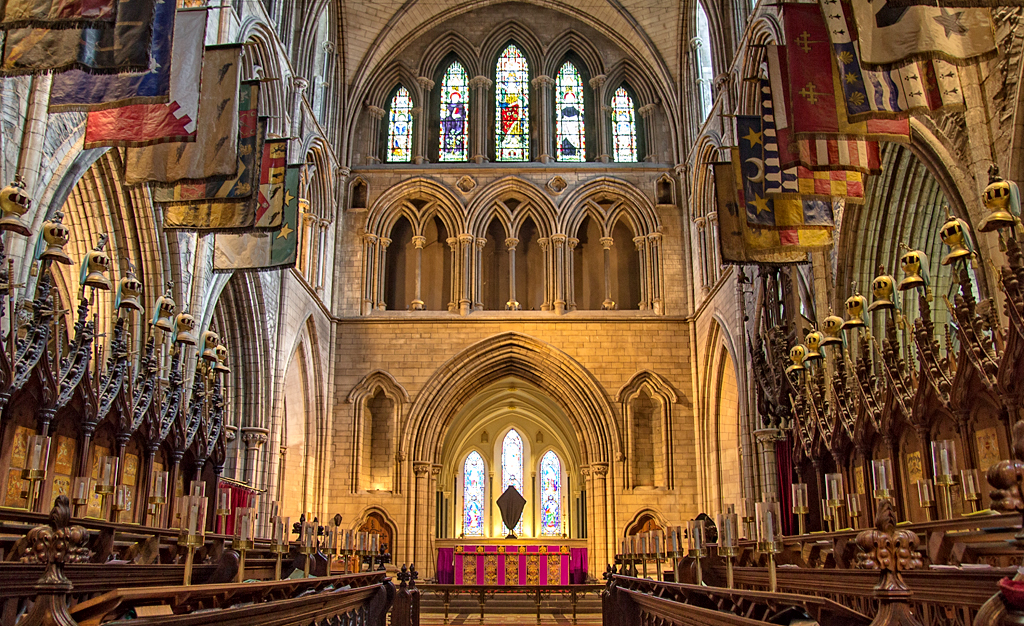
(454, 145)
(473, 495)
(623, 126)
(704, 67)
(400, 127)
(571, 138)
(512, 467)
(550, 494)
(512, 102)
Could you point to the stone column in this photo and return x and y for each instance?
(542, 102)
(321, 261)
(466, 274)
(600, 141)
(418, 241)
(418, 147)
(478, 129)
(478, 281)
(382, 252)
(700, 224)
(512, 304)
(641, 250)
(370, 273)
(769, 473)
(588, 523)
(254, 438)
(305, 251)
(420, 511)
(647, 112)
(559, 272)
(453, 254)
(430, 565)
(654, 260)
(420, 131)
(372, 138)
(545, 250)
(570, 273)
(602, 529)
(608, 304)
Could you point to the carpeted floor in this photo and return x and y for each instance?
(546, 619)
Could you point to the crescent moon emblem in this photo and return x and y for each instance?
(759, 164)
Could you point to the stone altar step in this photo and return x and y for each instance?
(510, 609)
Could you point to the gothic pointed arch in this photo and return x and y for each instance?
(389, 206)
(630, 201)
(529, 202)
(378, 401)
(646, 404)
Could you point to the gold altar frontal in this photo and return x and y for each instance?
(526, 561)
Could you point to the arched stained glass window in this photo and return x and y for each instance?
(454, 144)
(400, 127)
(571, 138)
(623, 126)
(512, 466)
(512, 106)
(550, 494)
(706, 72)
(473, 495)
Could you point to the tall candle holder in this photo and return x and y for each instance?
(634, 554)
(347, 550)
(695, 543)
(728, 542)
(826, 516)
(122, 502)
(223, 509)
(944, 464)
(192, 529)
(80, 493)
(674, 546)
(972, 488)
(800, 506)
(769, 537)
(656, 551)
(333, 542)
(854, 508)
(645, 550)
(749, 517)
(835, 495)
(105, 482)
(37, 457)
(157, 495)
(926, 497)
(244, 537)
(279, 541)
(307, 545)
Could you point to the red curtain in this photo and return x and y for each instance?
(784, 469)
(241, 496)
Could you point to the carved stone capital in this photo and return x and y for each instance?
(600, 469)
(415, 112)
(425, 83)
(419, 241)
(478, 82)
(598, 81)
(384, 242)
(299, 83)
(254, 437)
(558, 240)
(466, 239)
(543, 81)
(511, 243)
(452, 242)
(420, 468)
(639, 242)
(607, 242)
(572, 242)
(646, 110)
(544, 242)
(370, 238)
(655, 237)
(481, 242)
(375, 111)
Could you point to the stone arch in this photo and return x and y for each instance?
(571, 41)
(649, 432)
(511, 32)
(642, 521)
(765, 30)
(635, 205)
(388, 207)
(375, 430)
(532, 204)
(448, 43)
(572, 387)
(387, 81)
(259, 52)
(702, 203)
(380, 516)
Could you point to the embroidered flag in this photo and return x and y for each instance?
(836, 183)
(214, 151)
(238, 214)
(148, 124)
(121, 47)
(891, 35)
(825, 153)
(251, 132)
(56, 13)
(924, 85)
(264, 250)
(75, 90)
(957, 3)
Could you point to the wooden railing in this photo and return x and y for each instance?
(631, 601)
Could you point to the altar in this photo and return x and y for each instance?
(533, 561)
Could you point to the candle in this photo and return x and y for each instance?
(622, 550)
(657, 544)
(727, 524)
(834, 488)
(971, 484)
(245, 517)
(159, 494)
(925, 493)
(799, 498)
(853, 504)
(768, 531)
(108, 474)
(123, 498)
(81, 490)
(944, 461)
(280, 530)
(223, 502)
(197, 488)
(38, 453)
(881, 477)
(674, 538)
(695, 528)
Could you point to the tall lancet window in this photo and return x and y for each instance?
(454, 144)
(550, 494)
(705, 70)
(512, 106)
(623, 127)
(512, 467)
(400, 127)
(473, 495)
(571, 138)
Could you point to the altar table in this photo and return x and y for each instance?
(538, 563)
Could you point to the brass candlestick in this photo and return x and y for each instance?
(190, 543)
(695, 528)
(728, 542)
(34, 477)
(243, 546)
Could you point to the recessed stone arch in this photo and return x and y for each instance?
(378, 400)
(648, 432)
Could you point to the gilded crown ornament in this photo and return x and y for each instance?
(882, 288)
(129, 290)
(14, 204)
(956, 234)
(95, 266)
(1002, 199)
(832, 326)
(54, 237)
(797, 354)
(186, 325)
(855, 306)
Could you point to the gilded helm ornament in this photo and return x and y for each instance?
(208, 346)
(882, 289)
(915, 265)
(1002, 199)
(222, 359)
(129, 290)
(813, 343)
(797, 354)
(163, 314)
(54, 236)
(832, 325)
(95, 266)
(14, 204)
(186, 325)
(855, 305)
(956, 234)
